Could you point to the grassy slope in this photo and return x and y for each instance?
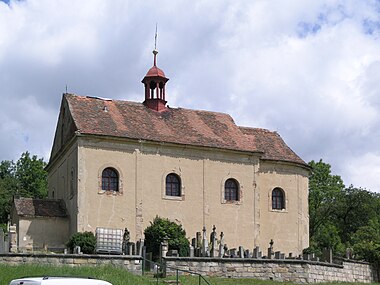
(116, 276)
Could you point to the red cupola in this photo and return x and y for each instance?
(154, 82)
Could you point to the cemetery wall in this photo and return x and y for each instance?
(131, 263)
(290, 270)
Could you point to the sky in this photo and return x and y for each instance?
(308, 69)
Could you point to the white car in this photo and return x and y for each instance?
(58, 281)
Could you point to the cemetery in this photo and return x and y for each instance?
(208, 257)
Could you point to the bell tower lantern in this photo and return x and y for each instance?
(154, 83)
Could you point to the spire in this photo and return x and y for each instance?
(155, 51)
(154, 83)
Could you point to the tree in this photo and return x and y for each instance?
(342, 217)
(355, 210)
(27, 178)
(366, 242)
(31, 176)
(162, 229)
(325, 190)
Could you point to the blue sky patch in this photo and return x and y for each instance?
(305, 29)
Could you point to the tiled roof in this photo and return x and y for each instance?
(175, 125)
(40, 207)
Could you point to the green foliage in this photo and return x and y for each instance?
(356, 208)
(342, 217)
(366, 242)
(86, 241)
(25, 178)
(31, 176)
(162, 229)
(325, 190)
(328, 237)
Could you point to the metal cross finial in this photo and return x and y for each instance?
(155, 39)
(155, 52)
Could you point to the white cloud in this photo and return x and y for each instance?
(309, 69)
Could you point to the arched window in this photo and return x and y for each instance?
(231, 190)
(110, 180)
(278, 199)
(173, 185)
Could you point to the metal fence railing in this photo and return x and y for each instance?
(159, 271)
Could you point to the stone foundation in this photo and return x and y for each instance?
(131, 263)
(290, 270)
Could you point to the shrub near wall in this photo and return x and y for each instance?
(290, 270)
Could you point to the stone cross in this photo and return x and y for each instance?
(204, 243)
(270, 249)
(213, 252)
(126, 237)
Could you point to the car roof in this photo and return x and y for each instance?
(58, 281)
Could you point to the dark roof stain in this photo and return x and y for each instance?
(29, 207)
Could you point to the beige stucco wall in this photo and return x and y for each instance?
(38, 233)
(143, 167)
(289, 228)
(63, 183)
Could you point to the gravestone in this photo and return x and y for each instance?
(139, 247)
(2, 241)
(270, 249)
(205, 252)
(198, 240)
(221, 245)
(126, 237)
(247, 254)
(198, 245)
(191, 251)
(213, 251)
(306, 256)
(12, 239)
(241, 252)
(225, 249)
(131, 248)
(172, 252)
(327, 255)
(256, 252)
(164, 249)
(77, 249)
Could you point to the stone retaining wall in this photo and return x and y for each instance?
(291, 270)
(131, 263)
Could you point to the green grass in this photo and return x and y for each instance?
(117, 276)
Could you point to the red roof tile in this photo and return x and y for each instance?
(132, 120)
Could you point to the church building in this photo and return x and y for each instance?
(119, 164)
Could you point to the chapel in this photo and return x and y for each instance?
(119, 164)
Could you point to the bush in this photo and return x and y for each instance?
(86, 241)
(162, 229)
